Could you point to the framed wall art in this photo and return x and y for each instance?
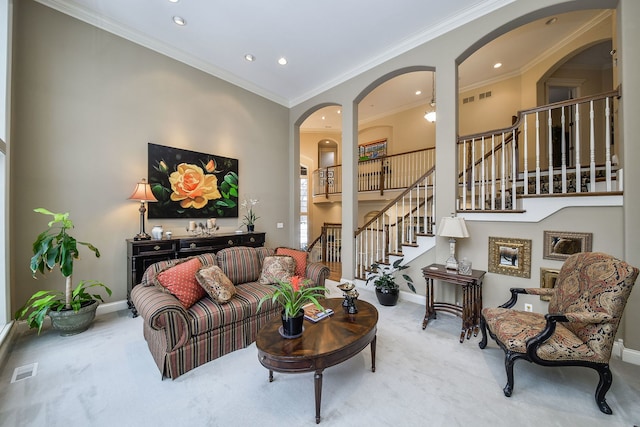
(372, 150)
(189, 184)
(561, 244)
(548, 277)
(510, 256)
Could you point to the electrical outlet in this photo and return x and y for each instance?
(528, 307)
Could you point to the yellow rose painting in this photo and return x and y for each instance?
(192, 188)
(189, 184)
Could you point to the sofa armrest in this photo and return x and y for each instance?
(317, 272)
(162, 312)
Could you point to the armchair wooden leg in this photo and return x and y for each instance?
(509, 359)
(483, 329)
(603, 387)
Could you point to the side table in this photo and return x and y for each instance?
(471, 297)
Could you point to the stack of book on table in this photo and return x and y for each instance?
(312, 313)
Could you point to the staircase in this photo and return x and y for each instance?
(493, 169)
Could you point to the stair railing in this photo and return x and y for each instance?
(327, 246)
(408, 215)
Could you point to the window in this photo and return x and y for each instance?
(5, 42)
(304, 206)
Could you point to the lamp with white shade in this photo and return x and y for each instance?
(142, 193)
(454, 228)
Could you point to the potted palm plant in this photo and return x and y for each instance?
(387, 290)
(73, 310)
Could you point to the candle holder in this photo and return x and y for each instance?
(201, 229)
(350, 296)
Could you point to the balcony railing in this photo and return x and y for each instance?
(569, 144)
(392, 172)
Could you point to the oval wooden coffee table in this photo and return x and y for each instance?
(323, 344)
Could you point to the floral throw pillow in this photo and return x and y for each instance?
(180, 280)
(277, 268)
(299, 256)
(217, 285)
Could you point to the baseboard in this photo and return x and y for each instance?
(626, 354)
(6, 338)
(111, 307)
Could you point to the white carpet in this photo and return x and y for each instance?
(106, 377)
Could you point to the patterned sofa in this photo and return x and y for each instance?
(182, 339)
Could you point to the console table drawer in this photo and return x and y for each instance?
(252, 239)
(153, 247)
(205, 244)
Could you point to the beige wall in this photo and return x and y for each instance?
(86, 105)
(494, 112)
(405, 131)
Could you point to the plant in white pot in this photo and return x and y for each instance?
(73, 310)
(387, 290)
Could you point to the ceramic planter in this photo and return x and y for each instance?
(70, 322)
(387, 296)
(292, 326)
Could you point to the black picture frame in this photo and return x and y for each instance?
(189, 184)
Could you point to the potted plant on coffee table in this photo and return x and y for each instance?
(293, 295)
(73, 310)
(387, 290)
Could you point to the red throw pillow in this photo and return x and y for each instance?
(181, 281)
(299, 256)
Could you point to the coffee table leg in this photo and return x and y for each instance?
(270, 376)
(373, 353)
(318, 387)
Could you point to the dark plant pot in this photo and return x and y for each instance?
(292, 326)
(70, 322)
(250, 228)
(387, 296)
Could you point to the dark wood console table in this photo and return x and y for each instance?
(471, 297)
(142, 253)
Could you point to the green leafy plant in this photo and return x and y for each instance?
(383, 275)
(292, 296)
(55, 247)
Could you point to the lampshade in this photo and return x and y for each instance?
(143, 192)
(453, 226)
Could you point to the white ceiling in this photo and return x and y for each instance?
(325, 42)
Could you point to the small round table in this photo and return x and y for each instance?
(329, 341)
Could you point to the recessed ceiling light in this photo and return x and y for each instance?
(551, 21)
(418, 92)
(249, 57)
(282, 61)
(174, 1)
(179, 20)
(339, 111)
(497, 65)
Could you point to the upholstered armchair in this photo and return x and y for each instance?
(584, 312)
